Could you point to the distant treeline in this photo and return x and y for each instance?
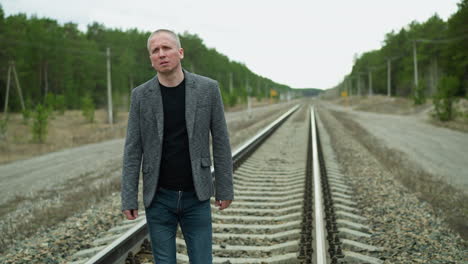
(441, 50)
(310, 91)
(65, 61)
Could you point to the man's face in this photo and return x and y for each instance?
(165, 56)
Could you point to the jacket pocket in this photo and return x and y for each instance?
(205, 162)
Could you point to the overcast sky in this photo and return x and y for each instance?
(300, 43)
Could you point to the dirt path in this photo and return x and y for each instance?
(440, 151)
(24, 177)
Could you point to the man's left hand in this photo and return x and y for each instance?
(223, 204)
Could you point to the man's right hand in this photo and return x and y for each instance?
(131, 214)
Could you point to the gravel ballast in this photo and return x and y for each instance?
(407, 228)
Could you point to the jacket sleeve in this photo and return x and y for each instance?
(133, 152)
(222, 156)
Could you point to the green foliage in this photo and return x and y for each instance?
(231, 100)
(258, 97)
(87, 108)
(27, 111)
(26, 115)
(39, 127)
(419, 94)
(456, 51)
(60, 103)
(445, 98)
(55, 102)
(49, 104)
(50, 101)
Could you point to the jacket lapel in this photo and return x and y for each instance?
(155, 100)
(190, 102)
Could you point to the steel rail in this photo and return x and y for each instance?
(320, 239)
(117, 251)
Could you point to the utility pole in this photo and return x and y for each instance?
(389, 77)
(230, 83)
(109, 88)
(46, 80)
(434, 77)
(130, 79)
(11, 67)
(415, 60)
(369, 72)
(249, 103)
(345, 85)
(18, 84)
(359, 84)
(7, 90)
(436, 73)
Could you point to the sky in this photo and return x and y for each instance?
(299, 43)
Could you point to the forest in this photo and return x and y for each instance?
(416, 61)
(54, 61)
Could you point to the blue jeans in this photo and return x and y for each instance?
(170, 208)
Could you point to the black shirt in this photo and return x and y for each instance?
(176, 170)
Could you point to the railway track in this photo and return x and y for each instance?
(292, 205)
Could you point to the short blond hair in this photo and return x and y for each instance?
(170, 32)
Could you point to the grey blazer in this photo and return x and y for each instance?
(204, 113)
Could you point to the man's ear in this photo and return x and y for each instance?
(181, 53)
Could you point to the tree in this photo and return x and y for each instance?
(39, 127)
(445, 97)
(456, 52)
(87, 108)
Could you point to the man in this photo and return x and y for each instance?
(170, 120)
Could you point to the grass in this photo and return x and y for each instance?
(448, 202)
(64, 131)
(460, 121)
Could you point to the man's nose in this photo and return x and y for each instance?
(162, 53)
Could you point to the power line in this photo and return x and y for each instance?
(378, 67)
(441, 40)
(424, 41)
